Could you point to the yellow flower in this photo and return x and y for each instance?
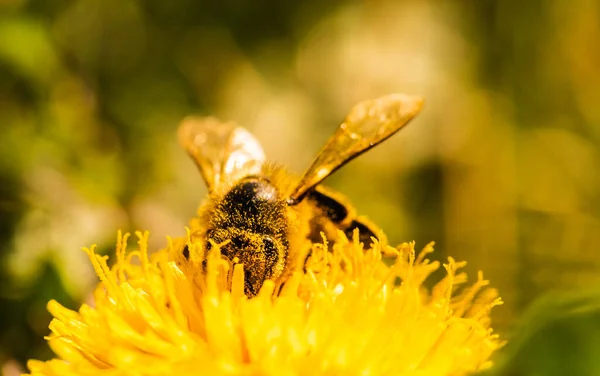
(348, 313)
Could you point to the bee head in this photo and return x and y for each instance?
(263, 256)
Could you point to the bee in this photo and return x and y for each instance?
(266, 218)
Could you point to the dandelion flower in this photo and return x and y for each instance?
(347, 313)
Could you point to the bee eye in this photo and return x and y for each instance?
(186, 252)
(270, 248)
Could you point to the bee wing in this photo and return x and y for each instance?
(368, 123)
(222, 151)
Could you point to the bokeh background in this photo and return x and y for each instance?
(500, 169)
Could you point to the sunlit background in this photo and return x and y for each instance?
(500, 169)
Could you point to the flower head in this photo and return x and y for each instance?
(346, 313)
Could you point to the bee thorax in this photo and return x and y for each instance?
(253, 205)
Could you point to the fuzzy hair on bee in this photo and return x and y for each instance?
(265, 218)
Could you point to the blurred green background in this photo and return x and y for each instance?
(500, 169)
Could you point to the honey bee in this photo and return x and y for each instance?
(264, 217)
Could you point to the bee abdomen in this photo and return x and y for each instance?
(365, 231)
(335, 211)
(341, 215)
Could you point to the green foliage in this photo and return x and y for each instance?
(559, 335)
